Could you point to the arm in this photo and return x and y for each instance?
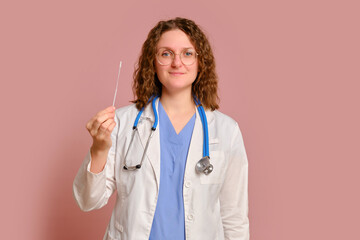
(234, 192)
(92, 188)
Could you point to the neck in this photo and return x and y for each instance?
(177, 103)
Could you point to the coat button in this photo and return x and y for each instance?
(119, 227)
(190, 217)
(187, 184)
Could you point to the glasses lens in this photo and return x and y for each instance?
(188, 56)
(165, 56)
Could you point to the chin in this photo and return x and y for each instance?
(174, 88)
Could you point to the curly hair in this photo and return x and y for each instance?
(146, 82)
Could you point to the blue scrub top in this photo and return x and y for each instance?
(169, 218)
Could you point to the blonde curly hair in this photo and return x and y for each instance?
(146, 82)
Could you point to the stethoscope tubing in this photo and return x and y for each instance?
(155, 113)
(202, 118)
(205, 128)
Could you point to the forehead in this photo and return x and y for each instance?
(174, 39)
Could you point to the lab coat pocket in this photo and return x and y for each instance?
(217, 159)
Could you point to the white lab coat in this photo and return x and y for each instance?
(215, 205)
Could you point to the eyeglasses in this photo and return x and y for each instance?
(165, 56)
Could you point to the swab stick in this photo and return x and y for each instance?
(117, 83)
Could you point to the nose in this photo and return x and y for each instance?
(176, 62)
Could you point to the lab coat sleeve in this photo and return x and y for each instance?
(93, 190)
(234, 192)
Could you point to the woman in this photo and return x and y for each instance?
(163, 192)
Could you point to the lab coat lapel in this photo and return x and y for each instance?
(146, 121)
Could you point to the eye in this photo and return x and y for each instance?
(188, 53)
(166, 53)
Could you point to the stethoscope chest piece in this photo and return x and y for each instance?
(204, 166)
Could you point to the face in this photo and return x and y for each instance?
(176, 76)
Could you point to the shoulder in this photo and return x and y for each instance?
(223, 126)
(221, 118)
(228, 130)
(126, 110)
(126, 114)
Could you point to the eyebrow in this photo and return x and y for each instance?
(169, 48)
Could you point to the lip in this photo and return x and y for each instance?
(176, 73)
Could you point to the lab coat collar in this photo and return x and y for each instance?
(149, 115)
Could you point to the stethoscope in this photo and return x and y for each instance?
(202, 166)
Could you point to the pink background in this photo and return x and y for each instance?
(289, 74)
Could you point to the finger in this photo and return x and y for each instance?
(111, 128)
(90, 123)
(104, 126)
(104, 130)
(101, 119)
(106, 110)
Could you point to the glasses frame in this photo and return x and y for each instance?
(173, 56)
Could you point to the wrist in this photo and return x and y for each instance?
(95, 151)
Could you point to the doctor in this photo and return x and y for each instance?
(160, 194)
